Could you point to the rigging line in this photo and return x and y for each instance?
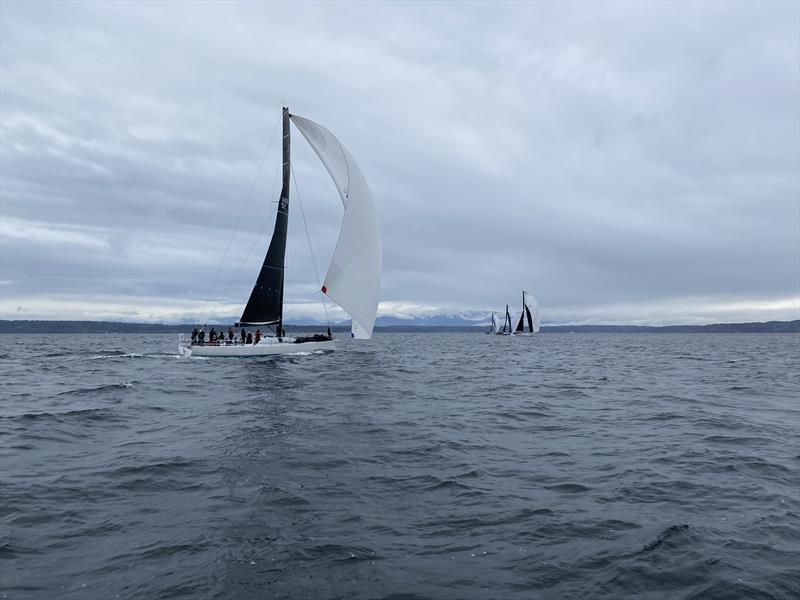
(241, 266)
(311, 248)
(244, 208)
(263, 232)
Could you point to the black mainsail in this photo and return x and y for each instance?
(507, 321)
(525, 311)
(265, 306)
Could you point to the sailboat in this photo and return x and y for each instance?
(532, 318)
(507, 324)
(353, 277)
(493, 326)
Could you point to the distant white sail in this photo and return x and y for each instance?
(353, 280)
(533, 305)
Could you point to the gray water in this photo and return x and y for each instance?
(410, 466)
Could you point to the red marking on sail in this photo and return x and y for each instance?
(324, 290)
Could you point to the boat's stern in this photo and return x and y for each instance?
(184, 347)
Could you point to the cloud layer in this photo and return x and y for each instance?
(625, 162)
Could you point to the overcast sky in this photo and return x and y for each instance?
(626, 162)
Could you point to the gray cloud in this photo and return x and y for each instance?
(622, 161)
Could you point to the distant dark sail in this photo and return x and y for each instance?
(521, 324)
(530, 319)
(265, 306)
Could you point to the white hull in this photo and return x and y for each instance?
(266, 347)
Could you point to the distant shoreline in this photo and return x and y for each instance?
(101, 327)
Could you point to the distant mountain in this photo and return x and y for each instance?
(761, 327)
(460, 320)
(390, 324)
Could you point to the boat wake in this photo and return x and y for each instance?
(116, 355)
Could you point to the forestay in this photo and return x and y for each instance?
(354, 276)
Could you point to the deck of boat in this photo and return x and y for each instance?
(265, 347)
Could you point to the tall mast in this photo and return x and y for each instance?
(265, 306)
(283, 204)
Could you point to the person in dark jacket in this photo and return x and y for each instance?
(244, 335)
(249, 338)
(194, 334)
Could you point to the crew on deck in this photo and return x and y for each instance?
(244, 337)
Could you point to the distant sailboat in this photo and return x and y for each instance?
(354, 274)
(493, 327)
(532, 316)
(507, 324)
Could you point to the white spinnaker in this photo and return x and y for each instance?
(353, 280)
(533, 305)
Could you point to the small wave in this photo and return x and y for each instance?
(715, 422)
(9, 550)
(722, 590)
(167, 475)
(448, 484)
(54, 354)
(616, 524)
(114, 352)
(336, 552)
(664, 416)
(94, 414)
(727, 439)
(521, 415)
(168, 550)
(570, 488)
(160, 467)
(91, 390)
(671, 535)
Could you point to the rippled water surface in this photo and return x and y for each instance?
(410, 466)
